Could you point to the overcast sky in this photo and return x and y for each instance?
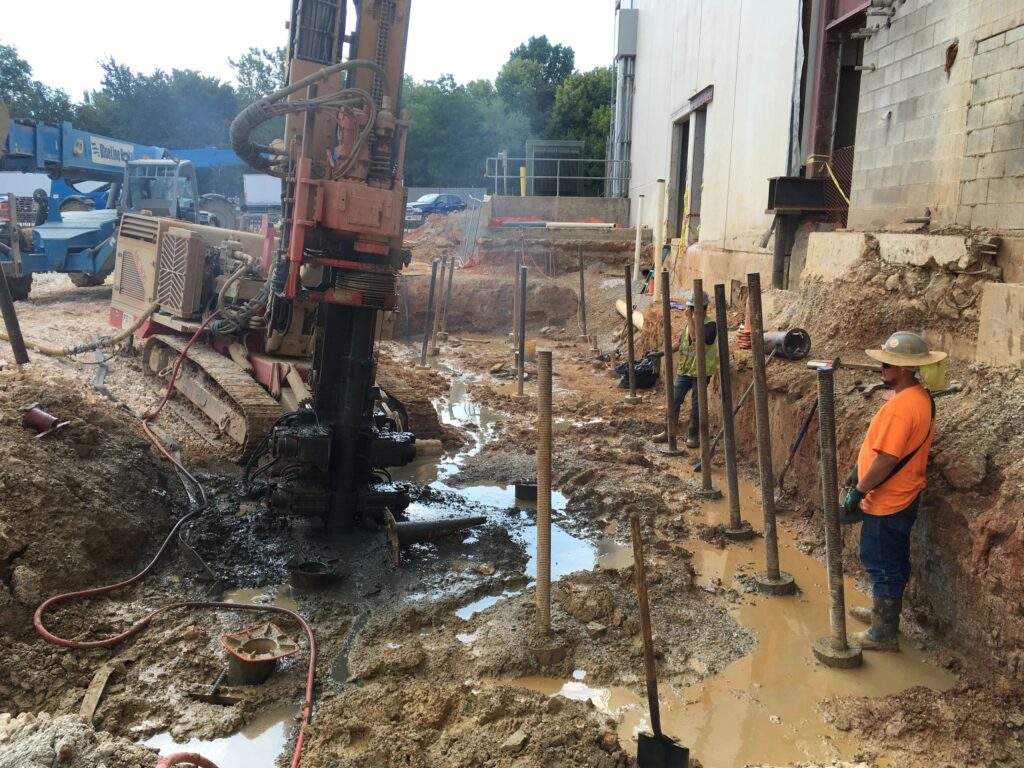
(64, 39)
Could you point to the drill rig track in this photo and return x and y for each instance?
(231, 401)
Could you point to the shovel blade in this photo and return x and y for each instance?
(660, 752)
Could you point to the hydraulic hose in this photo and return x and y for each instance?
(107, 341)
(133, 630)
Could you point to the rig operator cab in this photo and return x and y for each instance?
(165, 188)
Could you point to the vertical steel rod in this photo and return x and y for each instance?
(515, 290)
(639, 234)
(736, 524)
(427, 319)
(671, 449)
(835, 650)
(631, 398)
(702, 391)
(772, 578)
(16, 340)
(659, 236)
(447, 299)
(521, 355)
(584, 336)
(440, 303)
(544, 492)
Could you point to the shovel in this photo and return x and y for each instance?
(659, 750)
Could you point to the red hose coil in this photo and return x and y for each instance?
(37, 620)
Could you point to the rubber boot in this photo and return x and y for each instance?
(861, 613)
(693, 436)
(883, 634)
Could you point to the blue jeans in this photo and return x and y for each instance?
(684, 384)
(885, 550)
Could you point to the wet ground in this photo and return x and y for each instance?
(430, 663)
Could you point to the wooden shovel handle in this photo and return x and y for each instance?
(645, 624)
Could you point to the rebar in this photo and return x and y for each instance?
(631, 398)
(707, 490)
(440, 303)
(583, 298)
(736, 524)
(839, 651)
(427, 318)
(671, 448)
(639, 234)
(772, 580)
(521, 354)
(544, 492)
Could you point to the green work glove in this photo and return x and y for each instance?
(851, 504)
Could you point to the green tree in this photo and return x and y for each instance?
(453, 129)
(558, 61)
(259, 72)
(28, 98)
(582, 110)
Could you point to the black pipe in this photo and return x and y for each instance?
(14, 336)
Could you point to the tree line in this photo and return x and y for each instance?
(537, 93)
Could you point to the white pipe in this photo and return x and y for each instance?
(639, 229)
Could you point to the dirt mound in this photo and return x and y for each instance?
(420, 724)
(28, 741)
(438, 236)
(924, 727)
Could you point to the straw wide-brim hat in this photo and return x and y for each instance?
(907, 350)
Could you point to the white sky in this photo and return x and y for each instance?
(64, 40)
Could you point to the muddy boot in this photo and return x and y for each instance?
(661, 437)
(860, 613)
(883, 634)
(693, 436)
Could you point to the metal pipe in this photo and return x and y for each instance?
(659, 236)
(17, 341)
(737, 528)
(631, 398)
(430, 309)
(772, 580)
(443, 333)
(515, 290)
(437, 310)
(707, 490)
(544, 492)
(639, 231)
(521, 356)
(670, 449)
(835, 649)
(583, 298)
(640, 574)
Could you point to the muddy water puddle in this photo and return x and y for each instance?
(257, 744)
(762, 707)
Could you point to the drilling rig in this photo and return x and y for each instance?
(287, 323)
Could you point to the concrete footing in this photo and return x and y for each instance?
(743, 533)
(784, 585)
(824, 652)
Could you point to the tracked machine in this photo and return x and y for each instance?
(279, 329)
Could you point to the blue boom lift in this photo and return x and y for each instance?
(74, 231)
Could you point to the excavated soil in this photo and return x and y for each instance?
(418, 665)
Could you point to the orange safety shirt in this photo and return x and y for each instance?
(900, 426)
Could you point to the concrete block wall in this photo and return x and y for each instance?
(926, 139)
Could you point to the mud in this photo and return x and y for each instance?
(430, 663)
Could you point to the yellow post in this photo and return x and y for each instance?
(522, 181)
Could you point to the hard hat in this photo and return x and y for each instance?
(690, 299)
(905, 349)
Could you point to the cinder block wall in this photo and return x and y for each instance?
(951, 143)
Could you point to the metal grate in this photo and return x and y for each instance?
(144, 228)
(170, 287)
(836, 206)
(130, 283)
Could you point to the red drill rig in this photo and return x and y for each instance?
(299, 313)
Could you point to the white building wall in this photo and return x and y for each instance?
(746, 49)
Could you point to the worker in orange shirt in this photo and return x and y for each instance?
(890, 476)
